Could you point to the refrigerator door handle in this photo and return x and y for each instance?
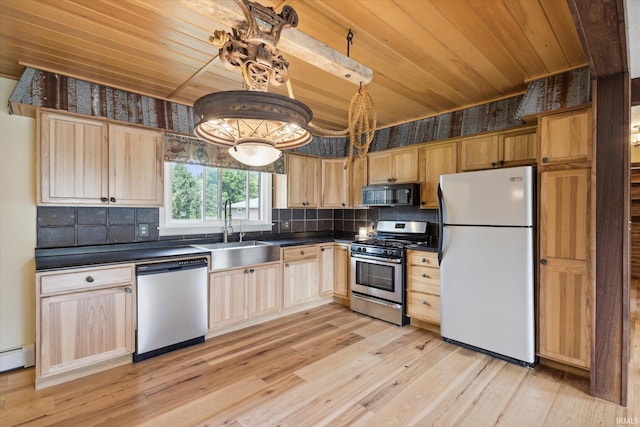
(440, 224)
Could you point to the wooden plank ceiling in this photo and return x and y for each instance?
(427, 56)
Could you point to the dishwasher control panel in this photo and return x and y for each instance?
(158, 267)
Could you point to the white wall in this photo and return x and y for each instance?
(17, 224)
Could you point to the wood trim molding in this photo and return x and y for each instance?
(600, 26)
(635, 92)
(611, 343)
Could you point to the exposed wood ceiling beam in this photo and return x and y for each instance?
(292, 41)
(600, 26)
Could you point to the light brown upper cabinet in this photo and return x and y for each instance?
(303, 181)
(515, 148)
(358, 172)
(566, 137)
(393, 166)
(335, 184)
(91, 162)
(436, 160)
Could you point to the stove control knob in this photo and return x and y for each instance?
(364, 249)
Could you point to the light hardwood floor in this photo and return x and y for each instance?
(326, 366)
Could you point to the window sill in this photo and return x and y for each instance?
(204, 229)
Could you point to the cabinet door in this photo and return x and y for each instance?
(566, 137)
(83, 328)
(341, 271)
(135, 166)
(479, 153)
(423, 306)
(380, 168)
(335, 184)
(358, 170)
(300, 279)
(405, 165)
(326, 269)
(439, 159)
(227, 297)
(265, 289)
(565, 285)
(303, 181)
(72, 160)
(519, 148)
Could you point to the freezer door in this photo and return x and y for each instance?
(487, 289)
(492, 197)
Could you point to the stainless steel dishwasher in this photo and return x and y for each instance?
(171, 306)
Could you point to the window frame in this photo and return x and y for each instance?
(167, 227)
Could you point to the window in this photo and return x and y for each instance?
(195, 196)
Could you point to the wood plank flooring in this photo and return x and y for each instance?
(325, 366)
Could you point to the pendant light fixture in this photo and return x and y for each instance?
(254, 124)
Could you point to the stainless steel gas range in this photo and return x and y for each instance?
(378, 270)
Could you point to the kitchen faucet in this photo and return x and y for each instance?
(228, 229)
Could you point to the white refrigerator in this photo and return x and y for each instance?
(487, 262)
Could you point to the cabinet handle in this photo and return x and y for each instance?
(545, 160)
(501, 162)
(286, 265)
(493, 164)
(543, 261)
(344, 204)
(321, 249)
(423, 302)
(246, 271)
(89, 279)
(301, 252)
(112, 199)
(424, 260)
(128, 290)
(424, 275)
(252, 271)
(104, 199)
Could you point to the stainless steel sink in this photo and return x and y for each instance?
(238, 254)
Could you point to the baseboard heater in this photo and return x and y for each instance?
(22, 357)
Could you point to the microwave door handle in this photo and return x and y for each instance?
(440, 224)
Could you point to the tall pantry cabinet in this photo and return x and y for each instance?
(565, 279)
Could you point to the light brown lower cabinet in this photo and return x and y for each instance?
(84, 317)
(341, 265)
(241, 293)
(423, 286)
(565, 290)
(300, 274)
(327, 269)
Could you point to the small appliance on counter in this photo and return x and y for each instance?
(378, 270)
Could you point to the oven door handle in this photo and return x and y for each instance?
(376, 258)
(376, 301)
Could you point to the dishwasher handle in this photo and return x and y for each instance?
(169, 266)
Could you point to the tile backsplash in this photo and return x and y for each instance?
(82, 226)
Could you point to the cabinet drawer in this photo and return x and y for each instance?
(85, 278)
(300, 252)
(424, 306)
(423, 279)
(423, 258)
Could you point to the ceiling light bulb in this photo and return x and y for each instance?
(255, 153)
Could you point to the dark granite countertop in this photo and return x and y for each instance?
(58, 258)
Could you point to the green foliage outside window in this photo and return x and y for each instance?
(190, 182)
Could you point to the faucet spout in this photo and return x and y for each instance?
(228, 229)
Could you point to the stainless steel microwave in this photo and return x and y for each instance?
(391, 195)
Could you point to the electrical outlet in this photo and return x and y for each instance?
(143, 230)
(284, 225)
